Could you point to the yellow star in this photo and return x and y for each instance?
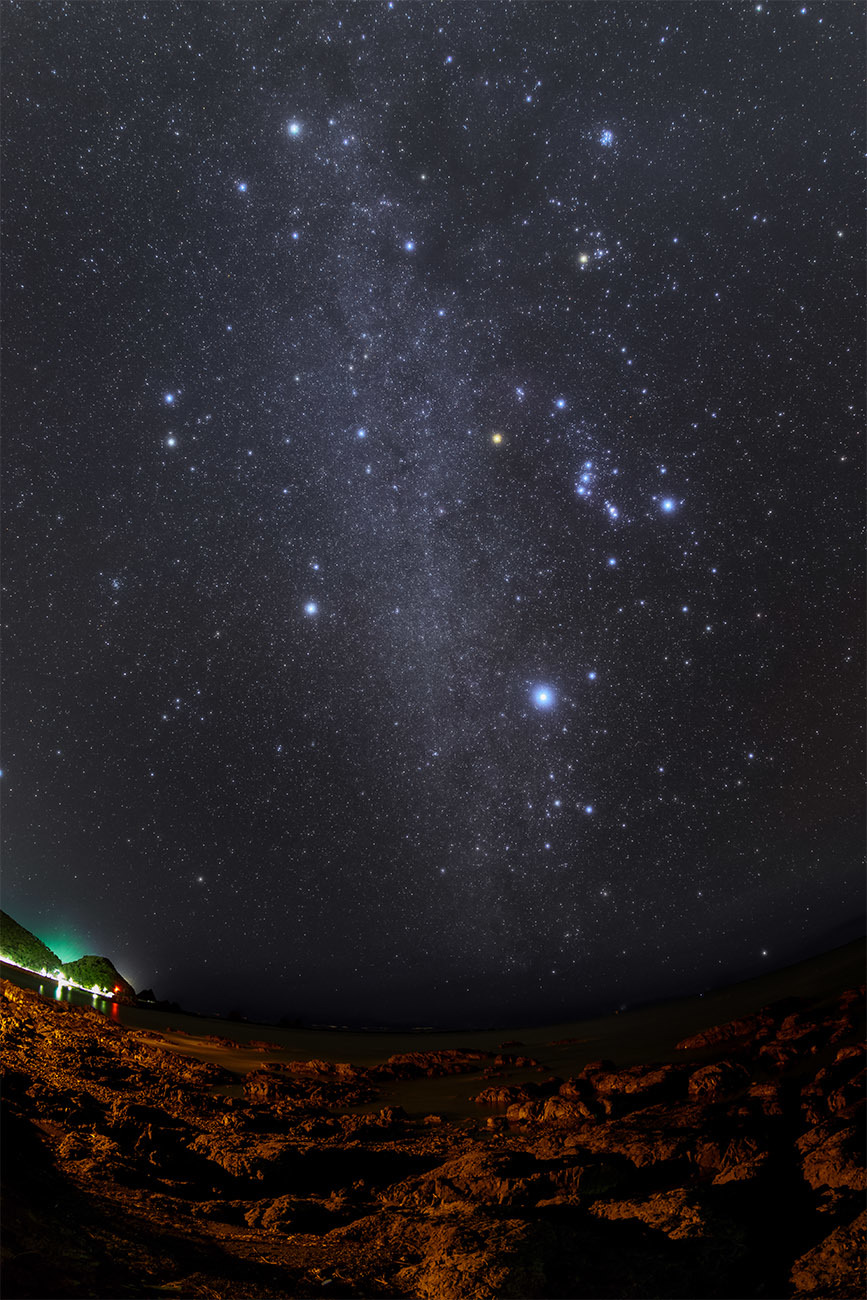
(496, 438)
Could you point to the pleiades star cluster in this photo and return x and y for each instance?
(433, 488)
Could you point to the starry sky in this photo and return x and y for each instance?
(433, 492)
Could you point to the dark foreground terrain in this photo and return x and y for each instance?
(735, 1170)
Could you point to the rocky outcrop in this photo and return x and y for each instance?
(431, 1065)
(728, 1175)
(823, 1271)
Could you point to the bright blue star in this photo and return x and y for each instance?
(560, 403)
(409, 246)
(294, 128)
(612, 561)
(588, 808)
(361, 433)
(668, 504)
(242, 187)
(591, 676)
(169, 398)
(171, 441)
(294, 234)
(606, 138)
(543, 697)
(311, 608)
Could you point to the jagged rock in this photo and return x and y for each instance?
(638, 1086)
(478, 1177)
(414, 1065)
(832, 1156)
(511, 1094)
(752, 1027)
(568, 1110)
(288, 1196)
(834, 1268)
(769, 1096)
(486, 1259)
(718, 1080)
(679, 1215)
(244, 1155)
(309, 1085)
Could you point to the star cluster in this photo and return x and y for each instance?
(433, 466)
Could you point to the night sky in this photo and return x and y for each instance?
(433, 498)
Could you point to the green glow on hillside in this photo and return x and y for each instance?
(66, 948)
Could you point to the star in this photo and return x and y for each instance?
(668, 504)
(171, 441)
(168, 398)
(311, 608)
(242, 187)
(294, 128)
(496, 438)
(543, 697)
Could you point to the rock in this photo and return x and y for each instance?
(569, 1110)
(718, 1080)
(486, 1259)
(778, 1056)
(836, 1266)
(743, 1160)
(509, 1094)
(679, 1215)
(642, 1144)
(848, 1099)
(639, 1085)
(478, 1177)
(832, 1156)
(244, 1155)
(769, 1097)
(309, 1085)
(415, 1065)
(290, 1214)
(797, 1028)
(752, 1027)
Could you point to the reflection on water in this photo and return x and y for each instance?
(48, 988)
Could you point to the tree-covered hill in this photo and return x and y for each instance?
(24, 949)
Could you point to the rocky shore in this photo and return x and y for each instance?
(737, 1171)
